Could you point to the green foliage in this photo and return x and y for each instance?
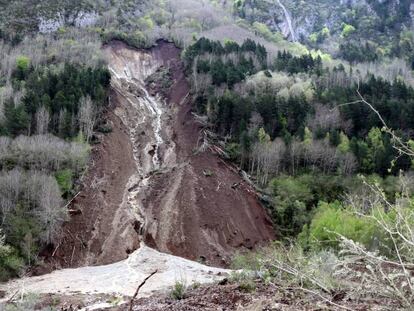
(325, 32)
(135, 38)
(314, 37)
(10, 263)
(307, 137)
(285, 61)
(179, 291)
(263, 31)
(292, 198)
(319, 37)
(233, 150)
(359, 52)
(263, 136)
(146, 23)
(344, 144)
(393, 101)
(347, 30)
(295, 198)
(332, 220)
(64, 179)
(22, 67)
(17, 120)
(21, 224)
(22, 63)
(204, 46)
(60, 93)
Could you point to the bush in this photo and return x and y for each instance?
(288, 266)
(347, 30)
(295, 198)
(135, 39)
(179, 290)
(64, 180)
(10, 262)
(332, 220)
(22, 67)
(293, 202)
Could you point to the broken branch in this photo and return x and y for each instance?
(139, 287)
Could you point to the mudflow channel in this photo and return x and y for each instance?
(147, 202)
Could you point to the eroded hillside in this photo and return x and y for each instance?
(149, 180)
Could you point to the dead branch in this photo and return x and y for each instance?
(54, 252)
(138, 288)
(73, 253)
(12, 296)
(71, 200)
(322, 297)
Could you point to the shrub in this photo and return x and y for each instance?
(292, 199)
(64, 180)
(22, 67)
(10, 262)
(347, 30)
(135, 39)
(179, 290)
(29, 301)
(22, 63)
(288, 266)
(332, 220)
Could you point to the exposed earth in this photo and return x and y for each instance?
(148, 181)
(152, 185)
(222, 296)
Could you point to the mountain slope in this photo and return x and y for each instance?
(355, 30)
(150, 183)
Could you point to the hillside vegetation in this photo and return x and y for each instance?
(357, 31)
(311, 101)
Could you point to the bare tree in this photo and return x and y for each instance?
(39, 194)
(51, 211)
(87, 117)
(295, 151)
(267, 159)
(42, 120)
(43, 152)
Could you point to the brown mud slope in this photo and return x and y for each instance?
(147, 183)
(191, 214)
(98, 204)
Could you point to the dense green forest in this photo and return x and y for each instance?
(331, 151)
(295, 134)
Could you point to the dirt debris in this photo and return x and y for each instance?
(265, 297)
(204, 223)
(146, 183)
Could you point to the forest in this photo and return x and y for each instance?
(50, 111)
(302, 139)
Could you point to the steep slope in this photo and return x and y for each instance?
(208, 216)
(148, 183)
(147, 187)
